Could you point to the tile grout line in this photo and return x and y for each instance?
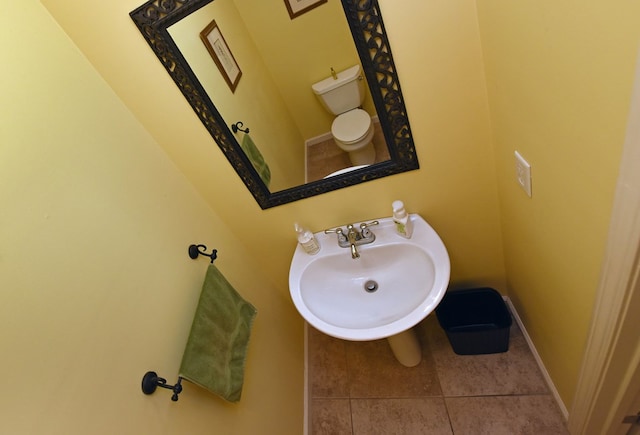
(551, 393)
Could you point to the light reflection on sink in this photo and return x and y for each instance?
(332, 296)
(329, 289)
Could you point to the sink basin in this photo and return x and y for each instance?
(346, 170)
(394, 284)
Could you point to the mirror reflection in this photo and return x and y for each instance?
(281, 60)
(316, 97)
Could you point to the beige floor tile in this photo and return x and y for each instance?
(359, 388)
(505, 415)
(512, 372)
(400, 417)
(375, 372)
(330, 417)
(327, 366)
(325, 158)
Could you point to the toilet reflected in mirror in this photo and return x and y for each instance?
(324, 158)
(342, 95)
(353, 129)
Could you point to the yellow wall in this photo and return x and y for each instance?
(96, 286)
(559, 80)
(280, 58)
(256, 100)
(300, 52)
(455, 189)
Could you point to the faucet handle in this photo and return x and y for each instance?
(366, 232)
(367, 225)
(339, 232)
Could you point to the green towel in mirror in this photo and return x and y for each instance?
(254, 155)
(215, 354)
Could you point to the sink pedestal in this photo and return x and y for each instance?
(406, 348)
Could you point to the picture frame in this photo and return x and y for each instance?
(299, 7)
(217, 47)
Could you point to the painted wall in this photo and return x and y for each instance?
(256, 102)
(96, 286)
(280, 58)
(455, 189)
(559, 82)
(301, 52)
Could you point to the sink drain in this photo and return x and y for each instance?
(370, 286)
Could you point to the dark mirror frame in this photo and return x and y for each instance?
(153, 19)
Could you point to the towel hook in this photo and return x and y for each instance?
(238, 126)
(151, 381)
(194, 251)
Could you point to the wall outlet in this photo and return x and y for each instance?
(523, 173)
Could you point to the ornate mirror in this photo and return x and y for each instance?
(159, 22)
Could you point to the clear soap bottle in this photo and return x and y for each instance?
(403, 223)
(307, 240)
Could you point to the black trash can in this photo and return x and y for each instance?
(476, 321)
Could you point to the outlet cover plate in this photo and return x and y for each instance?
(523, 173)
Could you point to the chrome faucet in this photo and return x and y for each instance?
(354, 237)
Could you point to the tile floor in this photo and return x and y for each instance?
(325, 157)
(358, 388)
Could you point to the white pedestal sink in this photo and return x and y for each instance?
(394, 285)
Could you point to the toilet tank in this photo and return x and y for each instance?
(342, 94)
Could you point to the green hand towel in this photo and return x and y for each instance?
(254, 155)
(215, 354)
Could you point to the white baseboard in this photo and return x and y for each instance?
(318, 139)
(536, 355)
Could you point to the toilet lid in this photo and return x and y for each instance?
(351, 126)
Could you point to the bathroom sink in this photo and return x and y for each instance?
(346, 170)
(394, 284)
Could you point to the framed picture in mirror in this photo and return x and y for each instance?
(299, 7)
(221, 54)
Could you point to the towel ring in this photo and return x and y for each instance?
(194, 252)
(151, 381)
(238, 127)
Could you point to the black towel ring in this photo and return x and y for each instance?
(194, 252)
(238, 127)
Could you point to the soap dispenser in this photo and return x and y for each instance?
(401, 219)
(307, 240)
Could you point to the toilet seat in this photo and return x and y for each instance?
(350, 127)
